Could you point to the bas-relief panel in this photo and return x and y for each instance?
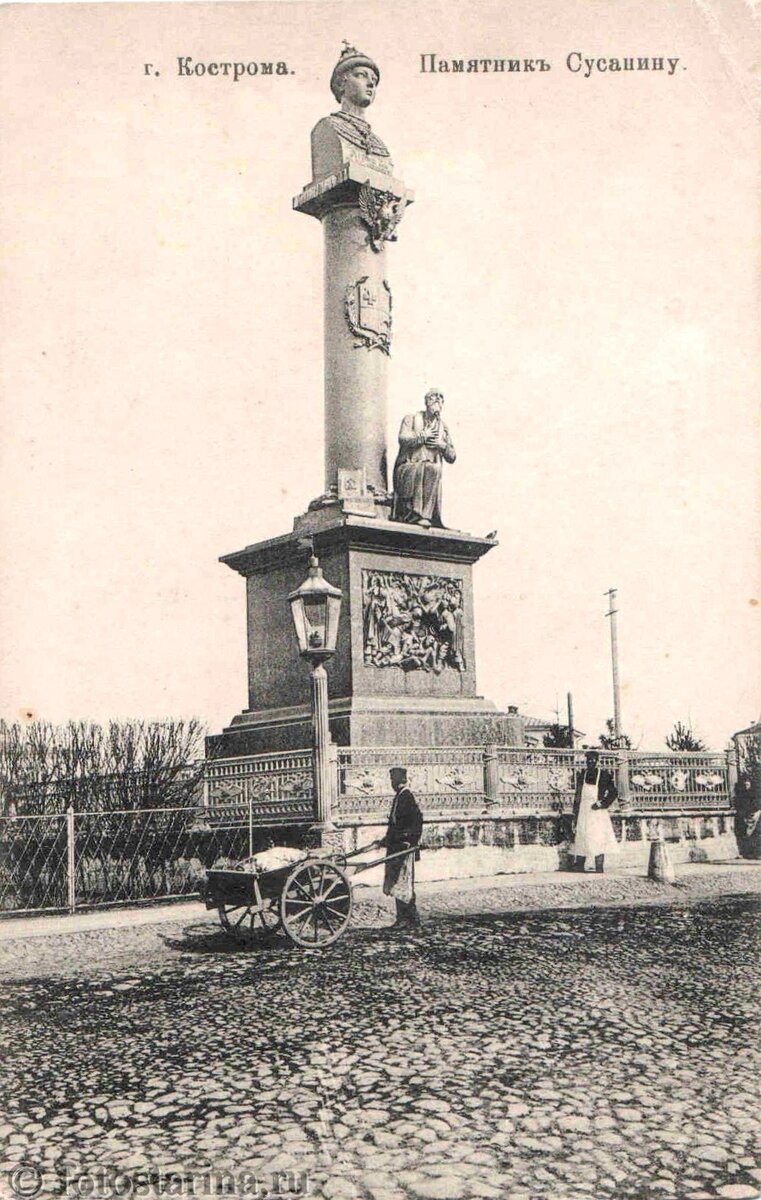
(415, 622)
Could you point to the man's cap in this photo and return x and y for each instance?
(400, 772)
(350, 58)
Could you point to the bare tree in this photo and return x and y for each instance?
(46, 768)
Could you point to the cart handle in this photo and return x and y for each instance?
(361, 850)
(365, 866)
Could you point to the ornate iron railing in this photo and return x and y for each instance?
(535, 781)
(444, 779)
(277, 787)
(679, 782)
(501, 780)
(72, 859)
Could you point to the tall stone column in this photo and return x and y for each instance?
(357, 343)
(360, 204)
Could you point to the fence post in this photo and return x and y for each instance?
(71, 859)
(623, 776)
(491, 773)
(205, 783)
(333, 760)
(732, 772)
(250, 797)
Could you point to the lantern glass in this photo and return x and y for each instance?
(331, 623)
(299, 621)
(315, 609)
(316, 620)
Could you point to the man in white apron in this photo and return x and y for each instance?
(593, 828)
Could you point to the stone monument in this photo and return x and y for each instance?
(404, 668)
(424, 445)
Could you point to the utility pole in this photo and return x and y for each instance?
(569, 698)
(612, 613)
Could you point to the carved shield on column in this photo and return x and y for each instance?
(368, 312)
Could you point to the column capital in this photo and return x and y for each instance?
(343, 187)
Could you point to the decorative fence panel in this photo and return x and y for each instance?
(276, 788)
(443, 779)
(675, 782)
(536, 782)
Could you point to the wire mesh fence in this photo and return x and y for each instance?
(76, 860)
(34, 863)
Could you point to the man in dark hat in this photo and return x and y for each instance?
(405, 827)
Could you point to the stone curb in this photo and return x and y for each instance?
(535, 890)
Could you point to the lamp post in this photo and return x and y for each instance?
(315, 608)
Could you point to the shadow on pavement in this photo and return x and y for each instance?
(203, 939)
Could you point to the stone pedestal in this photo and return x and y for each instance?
(404, 668)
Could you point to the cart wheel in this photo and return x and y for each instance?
(315, 904)
(245, 923)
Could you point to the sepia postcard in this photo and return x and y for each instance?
(577, 274)
(379, 435)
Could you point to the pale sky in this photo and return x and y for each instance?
(578, 275)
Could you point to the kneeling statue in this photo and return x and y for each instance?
(424, 446)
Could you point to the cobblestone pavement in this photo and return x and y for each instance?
(596, 1053)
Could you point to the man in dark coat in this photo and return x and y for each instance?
(593, 830)
(405, 827)
(748, 814)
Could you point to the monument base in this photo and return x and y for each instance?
(403, 672)
(371, 721)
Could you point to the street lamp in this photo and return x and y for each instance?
(315, 608)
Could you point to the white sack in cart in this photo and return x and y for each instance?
(276, 856)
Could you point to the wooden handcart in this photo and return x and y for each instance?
(310, 900)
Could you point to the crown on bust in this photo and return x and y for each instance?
(349, 58)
